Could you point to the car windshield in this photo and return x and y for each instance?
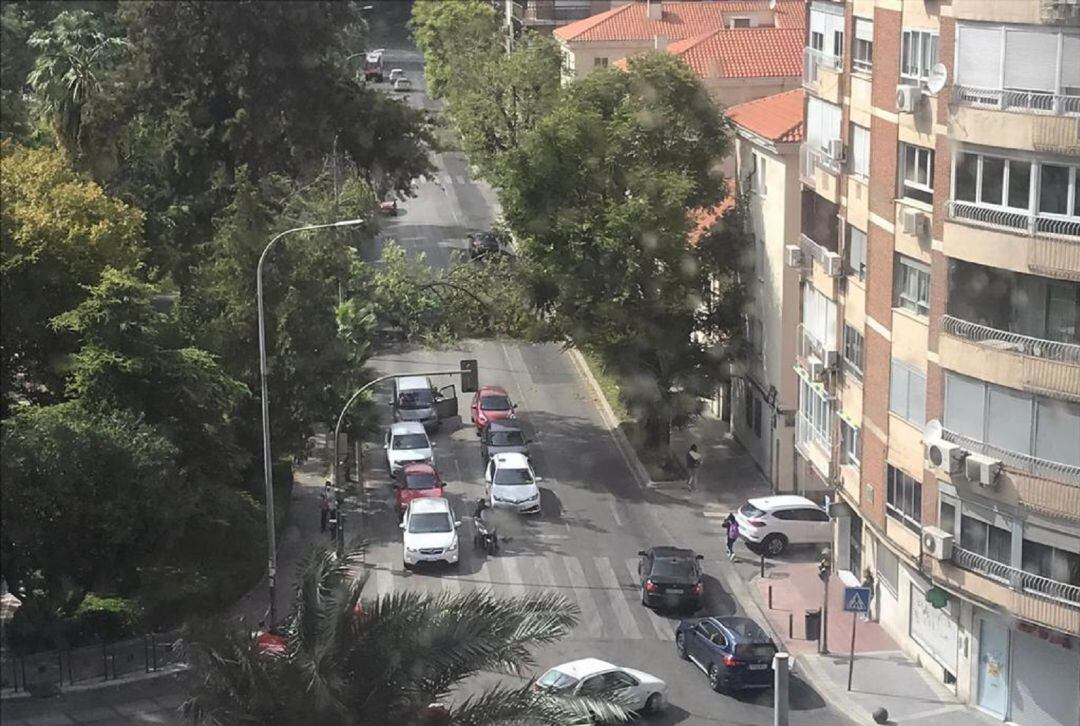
(674, 567)
(749, 511)
(415, 399)
(428, 522)
(495, 403)
(557, 681)
(507, 438)
(512, 477)
(422, 480)
(410, 441)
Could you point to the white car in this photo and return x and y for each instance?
(407, 442)
(511, 483)
(403, 84)
(593, 677)
(775, 522)
(429, 532)
(396, 73)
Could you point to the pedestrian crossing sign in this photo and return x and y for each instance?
(856, 599)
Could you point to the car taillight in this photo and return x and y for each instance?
(756, 522)
(650, 586)
(697, 589)
(730, 660)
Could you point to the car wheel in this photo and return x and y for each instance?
(655, 703)
(406, 565)
(775, 544)
(714, 678)
(680, 646)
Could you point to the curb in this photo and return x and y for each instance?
(169, 670)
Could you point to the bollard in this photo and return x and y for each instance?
(763, 564)
(790, 625)
(780, 689)
(770, 597)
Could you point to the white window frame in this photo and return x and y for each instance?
(906, 267)
(758, 183)
(816, 408)
(861, 170)
(860, 64)
(919, 37)
(600, 61)
(924, 158)
(852, 366)
(898, 366)
(1034, 183)
(911, 519)
(851, 444)
(860, 270)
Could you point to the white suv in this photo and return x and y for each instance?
(511, 483)
(407, 442)
(775, 522)
(429, 532)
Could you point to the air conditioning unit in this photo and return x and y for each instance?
(982, 470)
(833, 264)
(916, 223)
(817, 368)
(793, 256)
(836, 150)
(937, 543)
(945, 457)
(832, 358)
(908, 97)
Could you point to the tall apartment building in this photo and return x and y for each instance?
(938, 352)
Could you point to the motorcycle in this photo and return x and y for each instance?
(485, 535)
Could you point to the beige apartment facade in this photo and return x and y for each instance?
(938, 351)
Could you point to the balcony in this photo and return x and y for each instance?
(1053, 249)
(534, 13)
(1036, 102)
(1027, 596)
(821, 74)
(1027, 120)
(1016, 461)
(1009, 359)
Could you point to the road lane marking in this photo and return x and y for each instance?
(513, 575)
(660, 626)
(543, 576)
(591, 622)
(615, 514)
(617, 597)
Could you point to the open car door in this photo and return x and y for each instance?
(446, 402)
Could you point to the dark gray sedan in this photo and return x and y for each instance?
(502, 437)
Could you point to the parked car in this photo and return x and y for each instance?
(671, 577)
(416, 399)
(511, 483)
(406, 442)
(491, 403)
(416, 481)
(388, 207)
(772, 523)
(733, 652)
(403, 84)
(643, 692)
(429, 532)
(483, 243)
(396, 73)
(502, 437)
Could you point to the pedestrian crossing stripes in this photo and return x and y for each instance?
(605, 589)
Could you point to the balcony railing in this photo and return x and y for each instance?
(812, 158)
(814, 59)
(809, 345)
(1014, 342)
(1059, 471)
(1016, 221)
(1017, 579)
(810, 248)
(1026, 101)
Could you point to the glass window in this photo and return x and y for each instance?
(857, 251)
(917, 172)
(985, 539)
(1019, 196)
(911, 288)
(1054, 189)
(1009, 417)
(907, 393)
(965, 405)
(860, 151)
(757, 417)
(947, 517)
(918, 54)
(759, 175)
(852, 449)
(862, 52)
(904, 498)
(887, 567)
(967, 172)
(600, 62)
(1057, 431)
(993, 179)
(853, 351)
(1050, 562)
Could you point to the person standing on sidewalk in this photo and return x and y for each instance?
(693, 462)
(868, 583)
(732, 528)
(324, 506)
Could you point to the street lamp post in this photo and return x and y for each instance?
(271, 537)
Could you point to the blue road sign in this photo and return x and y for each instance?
(856, 599)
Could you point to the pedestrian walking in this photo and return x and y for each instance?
(731, 526)
(693, 462)
(324, 506)
(868, 583)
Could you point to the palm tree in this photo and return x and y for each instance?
(386, 661)
(74, 55)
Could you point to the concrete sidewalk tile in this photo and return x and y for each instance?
(171, 702)
(50, 719)
(136, 707)
(92, 715)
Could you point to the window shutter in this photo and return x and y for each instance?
(831, 116)
(1030, 60)
(817, 21)
(860, 150)
(864, 29)
(1070, 62)
(813, 123)
(978, 60)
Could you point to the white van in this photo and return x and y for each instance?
(416, 399)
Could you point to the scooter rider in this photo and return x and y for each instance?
(485, 532)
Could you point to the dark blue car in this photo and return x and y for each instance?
(734, 652)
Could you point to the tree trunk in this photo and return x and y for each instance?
(657, 433)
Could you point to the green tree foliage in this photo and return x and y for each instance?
(57, 233)
(385, 661)
(456, 38)
(599, 194)
(85, 495)
(133, 358)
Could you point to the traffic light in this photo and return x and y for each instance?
(470, 377)
(824, 566)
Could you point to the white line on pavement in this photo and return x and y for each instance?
(541, 570)
(661, 626)
(513, 575)
(591, 622)
(615, 514)
(618, 601)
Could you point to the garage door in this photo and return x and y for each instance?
(1046, 680)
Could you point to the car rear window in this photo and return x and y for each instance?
(679, 568)
(421, 398)
(507, 438)
(495, 403)
(749, 511)
(755, 650)
(422, 480)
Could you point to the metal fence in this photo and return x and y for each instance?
(1005, 340)
(1027, 101)
(103, 662)
(1017, 579)
(813, 60)
(1056, 470)
(1011, 220)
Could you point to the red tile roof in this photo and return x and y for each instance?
(679, 20)
(744, 52)
(704, 219)
(777, 118)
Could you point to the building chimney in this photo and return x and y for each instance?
(659, 42)
(654, 9)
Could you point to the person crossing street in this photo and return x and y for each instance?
(693, 463)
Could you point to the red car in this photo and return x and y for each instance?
(389, 207)
(415, 481)
(491, 403)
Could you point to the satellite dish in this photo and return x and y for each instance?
(938, 75)
(932, 430)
